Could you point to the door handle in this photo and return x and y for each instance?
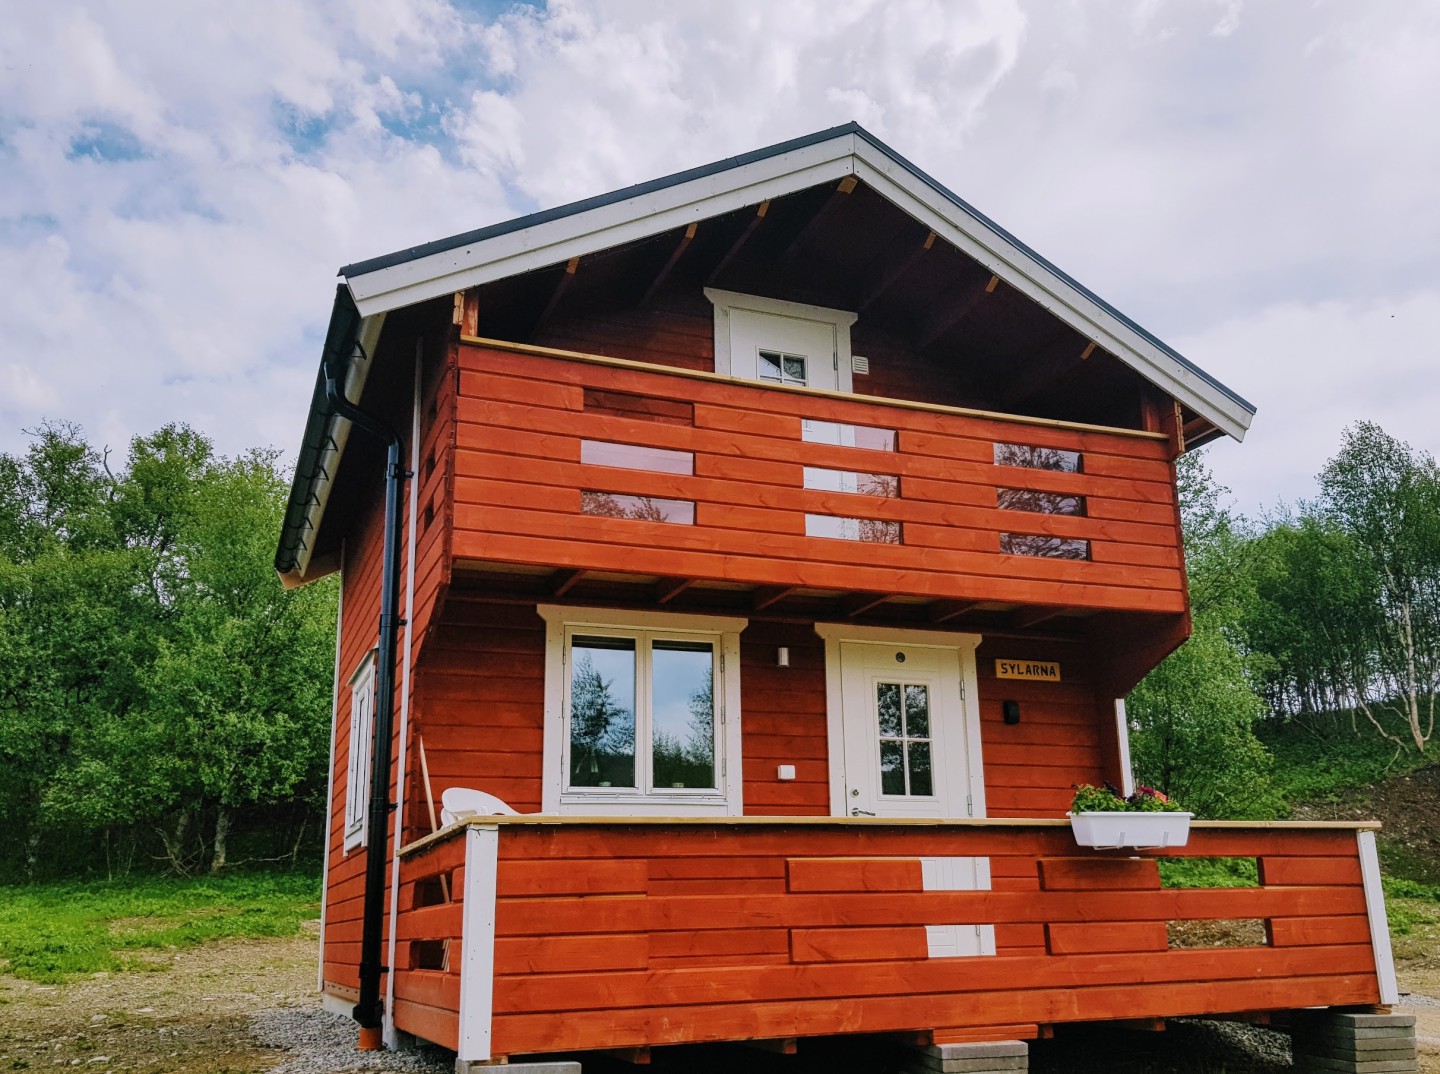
(858, 812)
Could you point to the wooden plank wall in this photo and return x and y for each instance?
(680, 332)
(359, 628)
(624, 936)
(427, 995)
(1062, 738)
(519, 477)
(480, 692)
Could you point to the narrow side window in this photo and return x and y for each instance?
(362, 732)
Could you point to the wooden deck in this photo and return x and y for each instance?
(931, 527)
(579, 934)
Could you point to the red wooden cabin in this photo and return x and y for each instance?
(778, 541)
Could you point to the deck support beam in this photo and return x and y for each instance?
(670, 588)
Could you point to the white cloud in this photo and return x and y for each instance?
(1252, 182)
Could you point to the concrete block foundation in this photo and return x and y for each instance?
(1354, 1042)
(988, 1057)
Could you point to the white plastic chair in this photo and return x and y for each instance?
(457, 803)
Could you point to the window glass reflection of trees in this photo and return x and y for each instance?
(602, 712)
(683, 714)
(604, 721)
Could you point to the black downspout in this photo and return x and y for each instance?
(368, 1011)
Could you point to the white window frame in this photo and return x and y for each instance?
(725, 301)
(562, 622)
(362, 735)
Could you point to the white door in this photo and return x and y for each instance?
(777, 349)
(911, 750)
(906, 752)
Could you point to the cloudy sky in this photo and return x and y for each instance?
(1257, 183)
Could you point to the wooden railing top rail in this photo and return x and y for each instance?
(541, 819)
(905, 404)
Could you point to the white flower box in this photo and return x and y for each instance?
(1139, 830)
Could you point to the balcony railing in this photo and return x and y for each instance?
(581, 462)
(530, 934)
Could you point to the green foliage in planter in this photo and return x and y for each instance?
(1107, 799)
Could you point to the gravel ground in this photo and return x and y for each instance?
(318, 1042)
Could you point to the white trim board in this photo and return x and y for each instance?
(679, 204)
(477, 943)
(1379, 924)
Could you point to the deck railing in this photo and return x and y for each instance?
(578, 462)
(525, 935)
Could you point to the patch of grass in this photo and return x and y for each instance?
(51, 932)
(1320, 759)
(1208, 873)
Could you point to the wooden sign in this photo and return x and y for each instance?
(1039, 670)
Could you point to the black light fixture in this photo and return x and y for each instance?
(1011, 710)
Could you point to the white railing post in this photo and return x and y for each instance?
(477, 942)
(1379, 925)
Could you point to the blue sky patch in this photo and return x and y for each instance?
(106, 142)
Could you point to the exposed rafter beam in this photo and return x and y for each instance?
(671, 262)
(1030, 617)
(565, 581)
(1053, 361)
(893, 273)
(952, 313)
(942, 611)
(741, 239)
(555, 296)
(670, 588)
(858, 604)
(838, 197)
(764, 598)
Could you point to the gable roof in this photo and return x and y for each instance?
(553, 236)
(372, 288)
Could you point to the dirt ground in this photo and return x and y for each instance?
(191, 1015)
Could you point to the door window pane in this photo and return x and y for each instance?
(917, 711)
(902, 712)
(683, 714)
(887, 705)
(919, 767)
(782, 368)
(892, 768)
(602, 712)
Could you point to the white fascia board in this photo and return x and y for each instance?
(555, 241)
(1038, 283)
(369, 338)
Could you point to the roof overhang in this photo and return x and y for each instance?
(349, 337)
(638, 212)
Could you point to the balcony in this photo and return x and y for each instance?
(580, 463)
(540, 934)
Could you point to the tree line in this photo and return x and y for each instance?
(163, 700)
(1327, 612)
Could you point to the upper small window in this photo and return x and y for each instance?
(783, 368)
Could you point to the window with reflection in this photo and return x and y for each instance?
(902, 713)
(641, 713)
